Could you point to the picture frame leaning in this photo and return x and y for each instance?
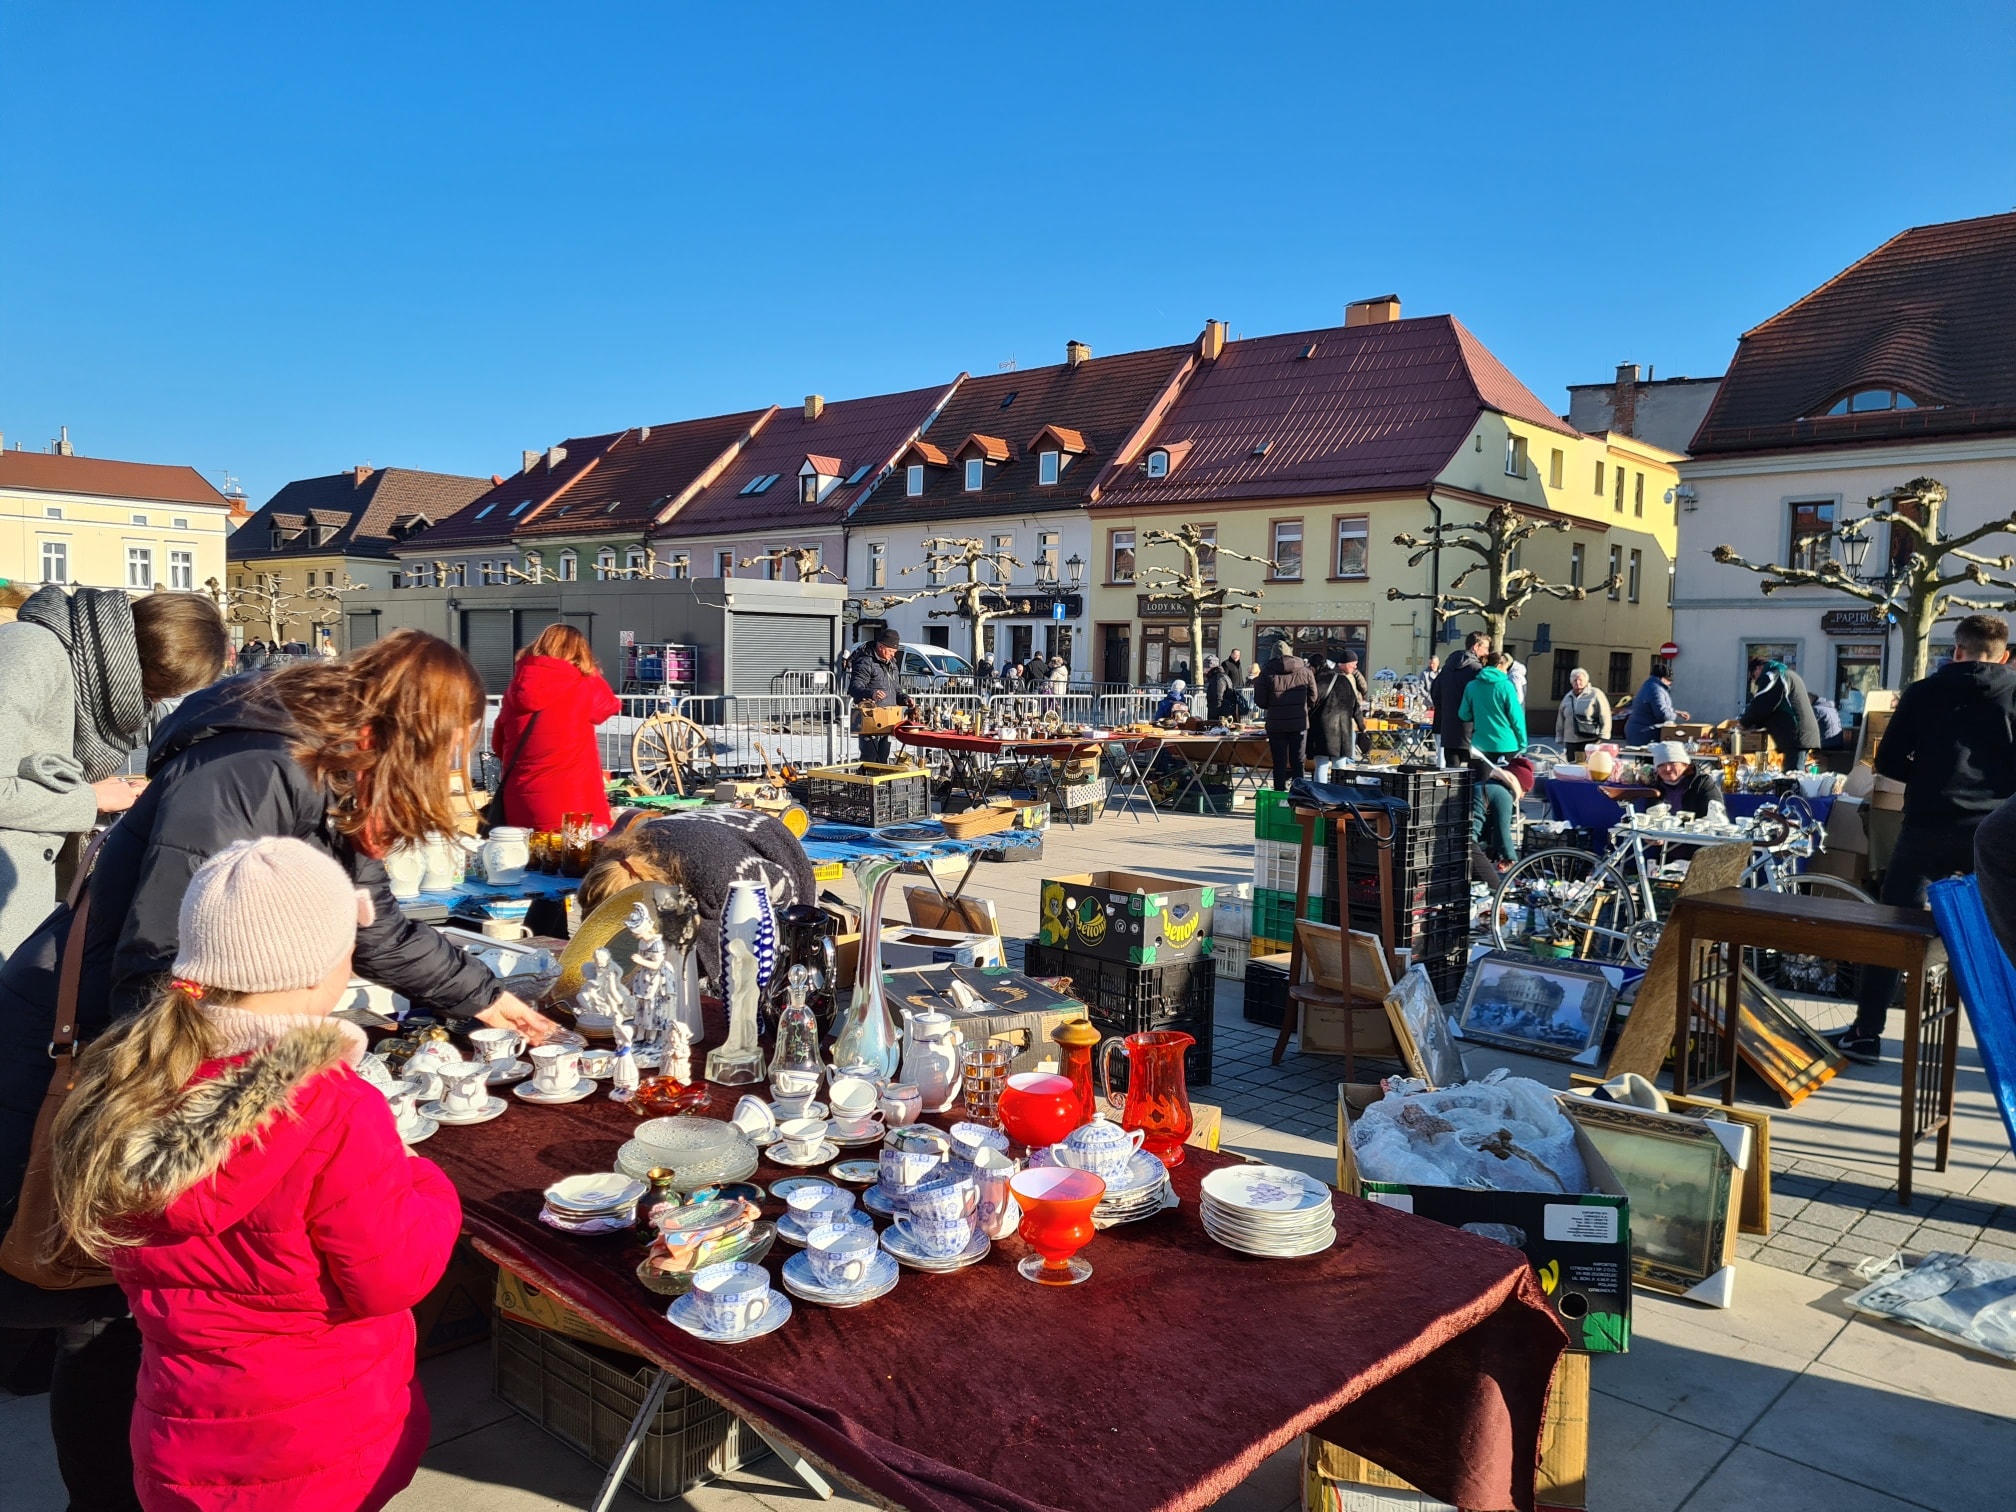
(1559, 1009)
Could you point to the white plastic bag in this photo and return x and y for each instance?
(1505, 1133)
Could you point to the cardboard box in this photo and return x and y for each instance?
(520, 1299)
(1847, 827)
(457, 1311)
(1336, 1480)
(1849, 866)
(1580, 1245)
(1127, 916)
(1026, 1010)
(909, 945)
(1887, 793)
(1206, 1122)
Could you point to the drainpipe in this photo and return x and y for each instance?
(1435, 580)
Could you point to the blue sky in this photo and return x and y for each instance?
(284, 239)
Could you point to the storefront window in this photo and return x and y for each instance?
(1858, 672)
(1315, 640)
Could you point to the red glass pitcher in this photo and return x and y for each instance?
(1158, 1101)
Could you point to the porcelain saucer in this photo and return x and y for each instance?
(877, 1199)
(827, 1151)
(531, 1093)
(685, 1313)
(792, 1233)
(614, 1223)
(492, 1107)
(422, 1128)
(505, 1072)
(857, 1172)
(883, 1273)
(906, 1254)
(873, 1136)
(784, 1187)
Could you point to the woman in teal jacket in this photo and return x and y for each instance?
(1492, 709)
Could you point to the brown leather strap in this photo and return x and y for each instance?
(64, 1037)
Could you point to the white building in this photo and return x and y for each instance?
(1903, 366)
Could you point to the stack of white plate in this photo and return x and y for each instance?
(594, 1204)
(1268, 1210)
(702, 1152)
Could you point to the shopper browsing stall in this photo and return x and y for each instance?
(1781, 707)
(1495, 792)
(1652, 710)
(1952, 743)
(1683, 786)
(1446, 692)
(254, 1200)
(1334, 718)
(545, 733)
(1584, 715)
(874, 686)
(1285, 689)
(1490, 707)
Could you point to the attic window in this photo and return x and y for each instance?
(1009, 398)
(808, 488)
(1260, 448)
(520, 507)
(913, 479)
(1048, 466)
(1158, 462)
(1869, 400)
(484, 510)
(759, 484)
(976, 474)
(1309, 351)
(614, 505)
(858, 474)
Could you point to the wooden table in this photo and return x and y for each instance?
(1868, 934)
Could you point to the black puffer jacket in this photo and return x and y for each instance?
(1952, 743)
(872, 681)
(1780, 707)
(1446, 695)
(221, 772)
(1285, 690)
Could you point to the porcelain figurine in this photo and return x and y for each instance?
(739, 1059)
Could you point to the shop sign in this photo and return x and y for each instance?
(1167, 606)
(1853, 622)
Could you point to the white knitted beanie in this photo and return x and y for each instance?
(267, 915)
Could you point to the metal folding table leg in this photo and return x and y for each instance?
(639, 1426)
(796, 1463)
(1130, 778)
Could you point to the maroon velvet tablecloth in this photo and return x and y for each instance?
(1160, 1383)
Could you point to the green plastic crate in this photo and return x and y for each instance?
(1274, 913)
(1273, 821)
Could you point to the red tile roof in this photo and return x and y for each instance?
(851, 433)
(924, 451)
(488, 519)
(150, 482)
(363, 514)
(993, 448)
(1065, 438)
(1101, 398)
(825, 466)
(643, 477)
(1372, 408)
(1931, 312)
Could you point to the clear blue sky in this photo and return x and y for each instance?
(286, 238)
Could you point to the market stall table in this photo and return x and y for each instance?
(1241, 749)
(1159, 1385)
(981, 765)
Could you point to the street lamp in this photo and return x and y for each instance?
(1046, 572)
(1076, 565)
(1854, 539)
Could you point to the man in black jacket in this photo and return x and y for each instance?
(1446, 695)
(1781, 707)
(1285, 690)
(1952, 743)
(873, 682)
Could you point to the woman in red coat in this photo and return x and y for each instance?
(556, 699)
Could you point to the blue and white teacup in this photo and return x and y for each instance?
(939, 1238)
(840, 1254)
(814, 1206)
(942, 1195)
(969, 1139)
(731, 1296)
(1103, 1148)
(902, 1169)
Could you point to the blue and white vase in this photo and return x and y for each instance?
(747, 916)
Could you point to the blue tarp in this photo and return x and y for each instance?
(1987, 985)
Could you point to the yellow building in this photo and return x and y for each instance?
(1314, 450)
(318, 536)
(93, 523)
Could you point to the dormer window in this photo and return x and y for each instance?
(1869, 401)
(913, 480)
(976, 474)
(1158, 463)
(808, 489)
(1048, 465)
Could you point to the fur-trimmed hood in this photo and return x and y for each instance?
(188, 1146)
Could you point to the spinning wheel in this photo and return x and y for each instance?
(670, 754)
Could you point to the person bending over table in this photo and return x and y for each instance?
(873, 682)
(1683, 786)
(1285, 689)
(1952, 743)
(1495, 792)
(1653, 707)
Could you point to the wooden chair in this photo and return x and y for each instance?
(1346, 973)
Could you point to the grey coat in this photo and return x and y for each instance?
(43, 794)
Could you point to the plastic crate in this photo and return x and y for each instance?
(587, 1397)
(866, 793)
(1446, 968)
(1143, 997)
(1276, 861)
(1273, 820)
(1210, 800)
(1266, 947)
(1274, 914)
(1228, 957)
(1266, 1000)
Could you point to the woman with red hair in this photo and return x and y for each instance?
(545, 733)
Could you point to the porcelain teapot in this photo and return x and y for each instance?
(505, 854)
(931, 1058)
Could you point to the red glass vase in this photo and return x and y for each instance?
(1057, 1204)
(1158, 1100)
(1038, 1108)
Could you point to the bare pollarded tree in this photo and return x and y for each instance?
(976, 598)
(1196, 581)
(1506, 589)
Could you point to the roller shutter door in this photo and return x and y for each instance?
(487, 637)
(362, 629)
(767, 644)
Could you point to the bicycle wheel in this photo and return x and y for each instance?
(1555, 895)
(1819, 989)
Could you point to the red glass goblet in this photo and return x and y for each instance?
(1057, 1204)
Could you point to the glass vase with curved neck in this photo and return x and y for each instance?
(868, 1031)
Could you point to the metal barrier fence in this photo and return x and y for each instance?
(803, 682)
(1013, 708)
(799, 729)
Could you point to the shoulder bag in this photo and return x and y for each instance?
(493, 811)
(26, 1253)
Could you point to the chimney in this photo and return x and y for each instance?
(527, 460)
(1624, 400)
(555, 455)
(362, 473)
(1380, 311)
(63, 448)
(1076, 352)
(496, 480)
(1212, 342)
(815, 406)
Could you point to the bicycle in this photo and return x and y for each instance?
(1608, 907)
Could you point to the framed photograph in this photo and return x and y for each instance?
(1558, 1009)
(1683, 1184)
(1426, 1045)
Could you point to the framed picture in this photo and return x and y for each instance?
(1779, 1045)
(1683, 1184)
(1558, 1009)
(1426, 1045)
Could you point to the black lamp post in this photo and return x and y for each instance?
(1076, 566)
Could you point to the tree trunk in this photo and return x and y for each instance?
(1915, 627)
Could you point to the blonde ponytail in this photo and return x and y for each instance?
(128, 1078)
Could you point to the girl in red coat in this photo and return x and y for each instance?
(545, 733)
(252, 1196)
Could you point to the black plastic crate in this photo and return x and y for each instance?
(1141, 997)
(587, 1398)
(1446, 969)
(870, 795)
(1266, 993)
(1196, 1060)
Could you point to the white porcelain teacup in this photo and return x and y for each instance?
(556, 1068)
(731, 1296)
(754, 1117)
(852, 1097)
(403, 1097)
(497, 1044)
(801, 1137)
(840, 1254)
(942, 1195)
(819, 1204)
(998, 1214)
(969, 1139)
(857, 1128)
(792, 1092)
(939, 1238)
(1103, 1148)
(901, 1103)
(465, 1086)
